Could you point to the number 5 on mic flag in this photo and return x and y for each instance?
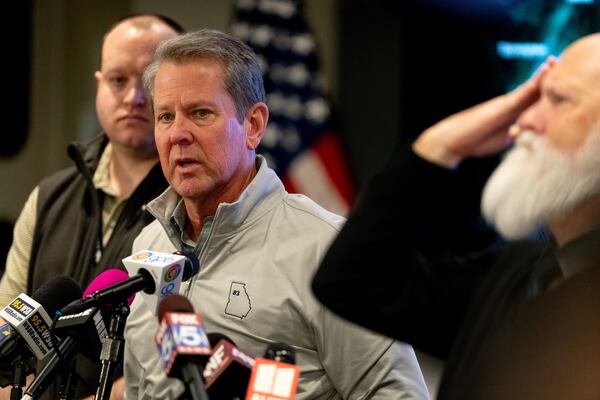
(181, 336)
(272, 380)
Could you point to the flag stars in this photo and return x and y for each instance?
(288, 138)
(276, 102)
(282, 8)
(261, 36)
(246, 5)
(299, 112)
(317, 110)
(303, 44)
(241, 30)
(271, 136)
(293, 108)
(290, 106)
(296, 74)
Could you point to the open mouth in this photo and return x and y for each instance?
(184, 162)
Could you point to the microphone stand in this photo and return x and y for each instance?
(19, 374)
(111, 348)
(193, 382)
(66, 390)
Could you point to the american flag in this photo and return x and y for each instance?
(300, 142)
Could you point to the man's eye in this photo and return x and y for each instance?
(165, 117)
(117, 80)
(201, 113)
(557, 99)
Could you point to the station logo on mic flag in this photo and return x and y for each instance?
(180, 334)
(300, 142)
(29, 318)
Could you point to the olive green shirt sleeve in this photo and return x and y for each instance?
(14, 280)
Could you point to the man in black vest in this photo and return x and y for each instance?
(82, 220)
(516, 321)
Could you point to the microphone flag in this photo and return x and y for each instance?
(181, 335)
(273, 380)
(31, 321)
(166, 270)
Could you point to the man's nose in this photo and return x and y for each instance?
(136, 96)
(180, 132)
(533, 118)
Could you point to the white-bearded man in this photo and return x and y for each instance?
(516, 321)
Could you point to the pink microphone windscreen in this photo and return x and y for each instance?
(105, 279)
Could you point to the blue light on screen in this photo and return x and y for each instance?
(580, 1)
(522, 50)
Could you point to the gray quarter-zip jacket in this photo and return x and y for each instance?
(256, 266)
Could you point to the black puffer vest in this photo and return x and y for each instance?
(68, 231)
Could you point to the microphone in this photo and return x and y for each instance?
(151, 272)
(281, 352)
(27, 323)
(84, 327)
(28, 320)
(274, 376)
(90, 323)
(165, 270)
(228, 369)
(182, 343)
(105, 279)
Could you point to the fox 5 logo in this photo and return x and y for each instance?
(186, 339)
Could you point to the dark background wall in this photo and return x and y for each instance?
(405, 65)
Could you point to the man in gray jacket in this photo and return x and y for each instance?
(258, 246)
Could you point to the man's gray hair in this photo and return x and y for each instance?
(242, 75)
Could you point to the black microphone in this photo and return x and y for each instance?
(182, 344)
(154, 273)
(81, 332)
(26, 333)
(280, 352)
(228, 369)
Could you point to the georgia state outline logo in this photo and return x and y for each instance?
(238, 302)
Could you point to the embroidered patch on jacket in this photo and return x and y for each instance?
(238, 303)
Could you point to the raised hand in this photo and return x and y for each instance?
(482, 129)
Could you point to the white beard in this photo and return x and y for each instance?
(536, 183)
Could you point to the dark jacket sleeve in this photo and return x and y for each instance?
(392, 268)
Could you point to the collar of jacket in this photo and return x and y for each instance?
(261, 195)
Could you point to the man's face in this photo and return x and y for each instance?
(555, 163)
(122, 108)
(203, 148)
(569, 103)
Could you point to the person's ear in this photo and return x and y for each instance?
(98, 77)
(255, 124)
